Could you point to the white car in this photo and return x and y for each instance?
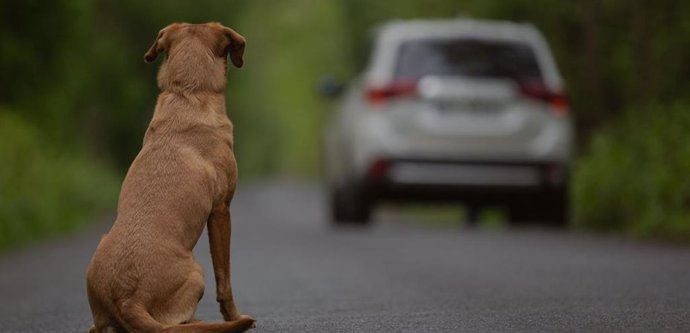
(455, 110)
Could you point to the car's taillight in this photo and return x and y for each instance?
(538, 91)
(556, 173)
(400, 88)
(379, 169)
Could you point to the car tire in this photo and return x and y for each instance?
(550, 209)
(557, 210)
(350, 206)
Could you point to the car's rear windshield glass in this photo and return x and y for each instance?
(472, 58)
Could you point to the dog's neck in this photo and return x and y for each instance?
(191, 68)
(182, 112)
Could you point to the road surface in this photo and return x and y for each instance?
(294, 273)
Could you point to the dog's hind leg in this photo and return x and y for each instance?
(103, 322)
(135, 318)
(180, 304)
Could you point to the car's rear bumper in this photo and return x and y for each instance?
(450, 180)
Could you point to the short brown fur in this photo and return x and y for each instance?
(143, 276)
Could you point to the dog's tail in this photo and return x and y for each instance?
(136, 319)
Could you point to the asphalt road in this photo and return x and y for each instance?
(294, 273)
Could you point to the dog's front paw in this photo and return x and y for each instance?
(229, 311)
(245, 318)
(244, 322)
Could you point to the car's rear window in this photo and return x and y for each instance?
(471, 58)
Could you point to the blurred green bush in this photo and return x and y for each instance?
(44, 191)
(635, 175)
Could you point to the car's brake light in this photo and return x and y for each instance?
(538, 91)
(399, 88)
(379, 169)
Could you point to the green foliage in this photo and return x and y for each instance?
(634, 177)
(32, 48)
(45, 191)
(273, 100)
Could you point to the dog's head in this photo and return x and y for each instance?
(196, 55)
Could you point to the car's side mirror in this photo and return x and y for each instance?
(330, 87)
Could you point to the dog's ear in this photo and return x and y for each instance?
(161, 43)
(236, 46)
(156, 48)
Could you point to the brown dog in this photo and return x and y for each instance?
(143, 277)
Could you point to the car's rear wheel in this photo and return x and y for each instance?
(350, 206)
(550, 209)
